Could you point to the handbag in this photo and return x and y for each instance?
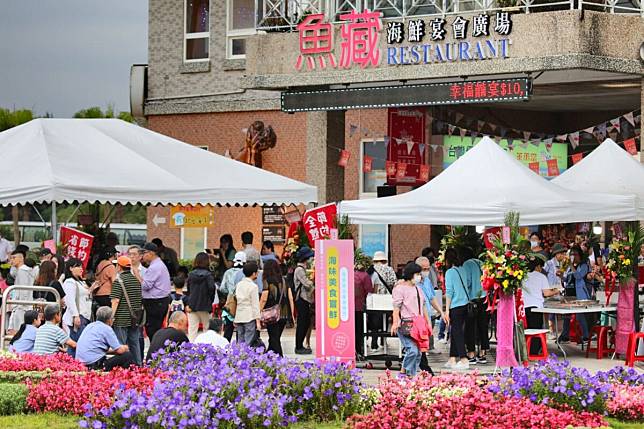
(138, 316)
(472, 306)
(273, 314)
(231, 304)
(406, 325)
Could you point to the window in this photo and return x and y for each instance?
(193, 241)
(197, 30)
(374, 238)
(240, 25)
(369, 182)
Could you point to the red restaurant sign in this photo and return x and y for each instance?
(77, 244)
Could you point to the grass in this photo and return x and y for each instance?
(39, 421)
(57, 421)
(616, 424)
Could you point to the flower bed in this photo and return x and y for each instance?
(67, 392)
(460, 402)
(236, 387)
(31, 362)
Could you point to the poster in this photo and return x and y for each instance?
(334, 301)
(276, 234)
(455, 147)
(406, 131)
(319, 221)
(77, 244)
(272, 215)
(192, 216)
(373, 238)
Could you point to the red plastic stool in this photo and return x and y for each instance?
(575, 330)
(604, 334)
(540, 335)
(633, 340)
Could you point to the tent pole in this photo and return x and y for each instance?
(54, 223)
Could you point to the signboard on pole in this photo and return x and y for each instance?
(77, 244)
(334, 301)
(319, 221)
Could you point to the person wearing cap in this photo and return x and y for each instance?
(126, 329)
(45, 254)
(156, 288)
(409, 302)
(227, 287)
(304, 293)
(103, 278)
(168, 256)
(554, 273)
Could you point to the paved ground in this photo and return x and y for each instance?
(436, 361)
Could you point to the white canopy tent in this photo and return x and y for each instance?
(480, 188)
(608, 169)
(112, 161)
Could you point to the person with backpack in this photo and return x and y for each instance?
(179, 299)
(127, 308)
(103, 279)
(274, 304)
(227, 288)
(201, 292)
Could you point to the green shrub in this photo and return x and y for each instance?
(13, 398)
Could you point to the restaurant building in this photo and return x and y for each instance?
(366, 94)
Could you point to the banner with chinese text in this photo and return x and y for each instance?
(334, 301)
(406, 131)
(319, 221)
(77, 244)
(455, 147)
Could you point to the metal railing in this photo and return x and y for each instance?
(285, 15)
(33, 302)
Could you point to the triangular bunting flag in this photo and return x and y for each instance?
(562, 137)
(589, 130)
(503, 131)
(548, 143)
(462, 132)
(386, 139)
(492, 126)
(458, 116)
(526, 135)
(410, 146)
(344, 158)
(365, 131)
(510, 141)
(576, 157)
(630, 146)
(421, 148)
(574, 139)
(616, 124)
(450, 129)
(435, 147)
(535, 142)
(480, 124)
(352, 130)
(629, 118)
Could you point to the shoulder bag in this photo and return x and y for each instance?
(273, 314)
(138, 315)
(472, 306)
(96, 284)
(406, 325)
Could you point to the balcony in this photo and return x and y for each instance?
(284, 15)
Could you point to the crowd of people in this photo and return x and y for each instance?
(101, 317)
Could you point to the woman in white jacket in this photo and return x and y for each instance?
(77, 300)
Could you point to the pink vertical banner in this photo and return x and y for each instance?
(334, 301)
(505, 332)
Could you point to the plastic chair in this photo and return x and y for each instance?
(631, 350)
(539, 335)
(605, 335)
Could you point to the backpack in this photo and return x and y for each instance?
(177, 303)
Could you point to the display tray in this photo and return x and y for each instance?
(581, 303)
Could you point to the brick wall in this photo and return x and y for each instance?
(221, 131)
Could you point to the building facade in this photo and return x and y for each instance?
(348, 72)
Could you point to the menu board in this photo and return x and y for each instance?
(275, 234)
(272, 215)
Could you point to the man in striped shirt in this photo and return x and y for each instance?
(127, 330)
(50, 338)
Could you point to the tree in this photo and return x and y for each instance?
(10, 119)
(96, 113)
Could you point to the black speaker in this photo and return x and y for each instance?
(386, 191)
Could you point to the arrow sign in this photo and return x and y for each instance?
(156, 220)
